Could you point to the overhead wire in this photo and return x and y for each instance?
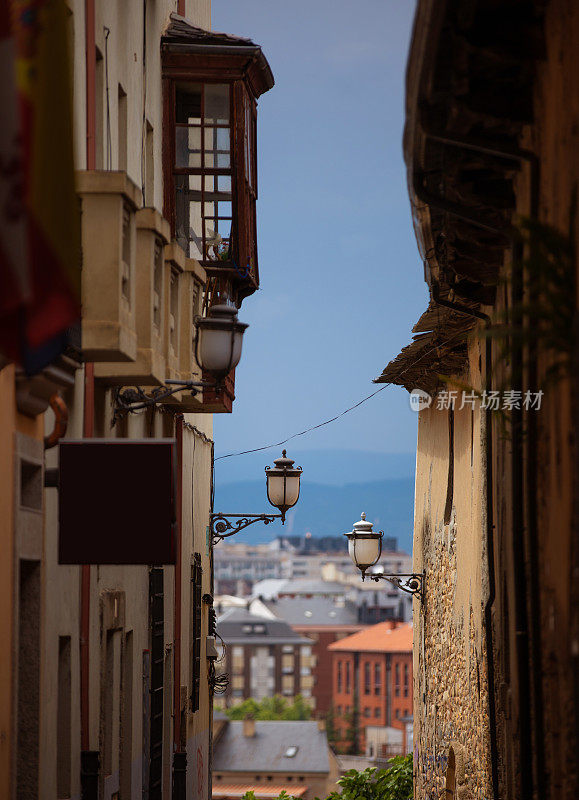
(341, 414)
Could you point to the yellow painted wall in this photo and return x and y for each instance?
(450, 686)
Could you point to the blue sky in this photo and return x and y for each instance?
(341, 278)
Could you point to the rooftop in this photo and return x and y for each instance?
(238, 626)
(222, 791)
(314, 611)
(181, 36)
(278, 746)
(305, 586)
(381, 638)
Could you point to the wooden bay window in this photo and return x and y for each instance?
(211, 83)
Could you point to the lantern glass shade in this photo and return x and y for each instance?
(364, 544)
(219, 340)
(219, 350)
(283, 483)
(283, 490)
(365, 552)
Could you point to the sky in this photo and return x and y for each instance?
(341, 278)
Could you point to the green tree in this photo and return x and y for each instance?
(331, 730)
(270, 708)
(394, 783)
(351, 736)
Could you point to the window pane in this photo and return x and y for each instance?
(189, 104)
(216, 141)
(223, 184)
(216, 104)
(188, 147)
(218, 235)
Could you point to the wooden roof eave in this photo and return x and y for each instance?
(214, 54)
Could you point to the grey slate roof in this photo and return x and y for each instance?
(264, 752)
(313, 611)
(232, 627)
(312, 586)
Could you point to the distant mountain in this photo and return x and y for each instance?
(326, 510)
(331, 467)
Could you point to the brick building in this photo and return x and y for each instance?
(372, 680)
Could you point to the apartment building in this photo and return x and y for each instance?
(264, 657)
(371, 682)
(323, 620)
(105, 687)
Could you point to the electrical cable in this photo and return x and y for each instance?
(307, 430)
(338, 416)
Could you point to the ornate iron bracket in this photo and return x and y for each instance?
(411, 583)
(220, 523)
(135, 398)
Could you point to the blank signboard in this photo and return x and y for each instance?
(117, 501)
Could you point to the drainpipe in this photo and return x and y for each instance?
(179, 753)
(89, 759)
(528, 768)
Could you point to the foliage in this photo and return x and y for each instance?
(352, 731)
(394, 783)
(331, 730)
(269, 708)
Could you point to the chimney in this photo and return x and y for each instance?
(249, 727)
(321, 724)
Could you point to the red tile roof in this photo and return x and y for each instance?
(381, 638)
(222, 791)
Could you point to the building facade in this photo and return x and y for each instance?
(268, 757)
(106, 689)
(239, 566)
(323, 620)
(264, 657)
(371, 682)
(491, 146)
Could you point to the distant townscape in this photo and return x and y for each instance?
(304, 638)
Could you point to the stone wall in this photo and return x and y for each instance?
(451, 726)
(451, 685)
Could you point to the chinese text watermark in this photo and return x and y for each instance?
(508, 400)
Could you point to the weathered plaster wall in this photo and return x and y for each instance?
(450, 685)
(61, 584)
(547, 559)
(13, 423)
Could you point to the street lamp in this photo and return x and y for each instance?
(283, 484)
(218, 340)
(365, 548)
(283, 491)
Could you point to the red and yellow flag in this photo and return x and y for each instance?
(39, 287)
